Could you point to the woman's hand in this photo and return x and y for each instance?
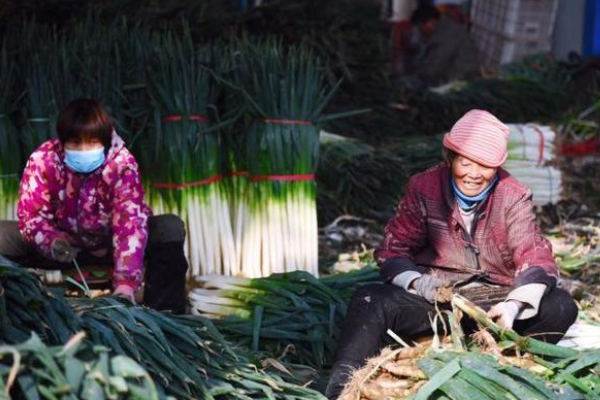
(62, 251)
(125, 291)
(427, 286)
(504, 313)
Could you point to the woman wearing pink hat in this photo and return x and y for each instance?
(463, 222)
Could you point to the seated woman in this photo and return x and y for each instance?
(466, 220)
(81, 198)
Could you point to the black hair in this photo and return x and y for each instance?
(423, 13)
(448, 156)
(84, 118)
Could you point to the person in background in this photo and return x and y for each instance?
(448, 52)
(465, 222)
(81, 198)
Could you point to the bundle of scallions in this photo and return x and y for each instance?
(186, 356)
(96, 68)
(183, 168)
(271, 314)
(285, 91)
(456, 367)
(32, 370)
(42, 63)
(10, 157)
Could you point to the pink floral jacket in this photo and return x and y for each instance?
(99, 212)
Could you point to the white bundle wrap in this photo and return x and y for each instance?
(530, 154)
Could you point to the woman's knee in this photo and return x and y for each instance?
(373, 296)
(559, 310)
(166, 228)
(12, 243)
(556, 314)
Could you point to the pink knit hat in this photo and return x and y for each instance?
(479, 136)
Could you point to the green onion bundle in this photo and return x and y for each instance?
(93, 62)
(445, 368)
(186, 355)
(514, 100)
(355, 178)
(470, 375)
(289, 309)
(285, 92)
(27, 306)
(185, 177)
(32, 370)
(10, 157)
(41, 63)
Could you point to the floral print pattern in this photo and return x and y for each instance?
(98, 212)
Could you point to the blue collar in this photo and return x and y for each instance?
(468, 203)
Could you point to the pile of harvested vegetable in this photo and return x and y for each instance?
(32, 370)
(453, 368)
(186, 356)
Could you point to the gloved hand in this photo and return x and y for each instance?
(62, 251)
(125, 291)
(427, 285)
(504, 313)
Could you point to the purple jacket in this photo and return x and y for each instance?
(100, 212)
(506, 245)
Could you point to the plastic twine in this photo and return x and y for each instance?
(542, 145)
(283, 178)
(177, 118)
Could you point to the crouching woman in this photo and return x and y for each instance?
(81, 198)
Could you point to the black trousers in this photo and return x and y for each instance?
(165, 262)
(375, 308)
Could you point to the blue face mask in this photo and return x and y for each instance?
(86, 161)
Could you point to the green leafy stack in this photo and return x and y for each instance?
(187, 151)
(27, 306)
(289, 309)
(10, 157)
(33, 371)
(285, 92)
(186, 356)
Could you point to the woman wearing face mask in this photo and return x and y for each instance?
(81, 198)
(465, 222)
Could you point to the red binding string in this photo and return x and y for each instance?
(206, 181)
(542, 145)
(283, 178)
(195, 117)
(285, 122)
(586, 147)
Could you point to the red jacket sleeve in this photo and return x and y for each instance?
(532, 253)
(404, 236)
